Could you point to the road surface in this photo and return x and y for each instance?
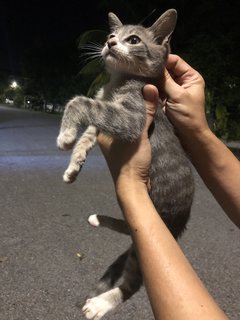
(44, 230)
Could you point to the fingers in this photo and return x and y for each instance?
(180, 76)
(177, 66)
(151, 97)
(182, 73)
(172, 89)
(176, 73)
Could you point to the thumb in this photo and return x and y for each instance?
(170, 86)
(151, 97)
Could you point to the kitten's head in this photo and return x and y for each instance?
(136, 50)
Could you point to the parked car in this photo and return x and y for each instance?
(54, 107)
(38, 104)
(32, 102)
(59, 108)
(49, 107)
(9, 101)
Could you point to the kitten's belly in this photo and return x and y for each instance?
(172, 185)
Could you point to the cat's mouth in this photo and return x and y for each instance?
(111, 54)
(108, 52)
(113, 59)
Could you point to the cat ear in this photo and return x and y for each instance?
(165, 25)
(114, 22)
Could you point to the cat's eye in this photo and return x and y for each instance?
(133, 39)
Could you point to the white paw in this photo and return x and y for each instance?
(93, 220)
(96, 308)
(69, 176)
(71, 173)
(66, 139)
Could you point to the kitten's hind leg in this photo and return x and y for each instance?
(96, 307)
(111, 276)
(132, 276)
(79, 154)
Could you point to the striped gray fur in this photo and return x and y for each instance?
(134, 56)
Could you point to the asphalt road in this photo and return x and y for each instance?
(43, 229)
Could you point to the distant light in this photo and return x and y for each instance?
(28, 101)
(14, 85)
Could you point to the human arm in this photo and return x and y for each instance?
(174, 290)
(218, 167)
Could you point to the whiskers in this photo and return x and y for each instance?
(91, 51)
(117, 60)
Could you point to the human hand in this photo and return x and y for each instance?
(185, 102)
(129, 161)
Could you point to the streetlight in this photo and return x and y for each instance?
(14, 85)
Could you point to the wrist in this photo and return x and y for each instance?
(129, 190)
(136, 205)
(197, 138)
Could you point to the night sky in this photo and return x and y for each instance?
(24, 24)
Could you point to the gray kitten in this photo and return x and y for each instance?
(134, 56)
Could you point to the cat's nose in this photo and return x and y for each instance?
(111, 43)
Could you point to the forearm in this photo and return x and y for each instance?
(219, 169)
(174, 290)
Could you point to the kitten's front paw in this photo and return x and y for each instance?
(72, 172)
(66, 139)
(69, 177)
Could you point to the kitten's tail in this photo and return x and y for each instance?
(109, 222)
